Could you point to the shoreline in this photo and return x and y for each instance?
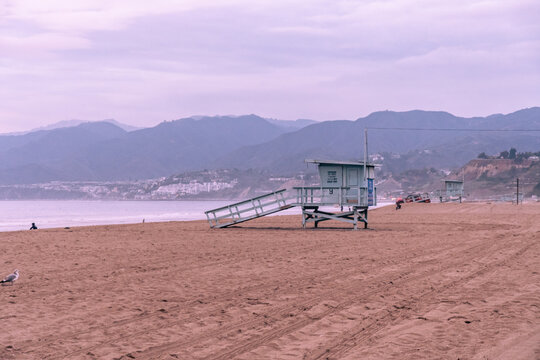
(201, 216)
(74, 213)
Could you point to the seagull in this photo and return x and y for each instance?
(11, 278)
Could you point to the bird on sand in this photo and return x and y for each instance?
(11, 278)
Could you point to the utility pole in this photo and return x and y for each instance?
(365, 158)
(517, 191)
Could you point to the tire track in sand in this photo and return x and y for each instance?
(362, 332)
(308, 301)
(296, 282)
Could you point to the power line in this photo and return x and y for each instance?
(447, 129)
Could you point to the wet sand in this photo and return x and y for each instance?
(431, 281)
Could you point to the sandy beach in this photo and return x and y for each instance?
(431, 281)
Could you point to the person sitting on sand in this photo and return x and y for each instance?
(398, 203)
(33, 227)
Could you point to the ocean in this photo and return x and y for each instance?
(20, 214)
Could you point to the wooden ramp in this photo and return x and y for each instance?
(248, 209)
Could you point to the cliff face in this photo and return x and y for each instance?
(494, 177)
(491, 168)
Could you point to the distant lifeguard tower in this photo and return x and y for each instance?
(453, 191)
(343, 184)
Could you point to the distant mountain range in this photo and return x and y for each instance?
(440, 149)
(103, 151)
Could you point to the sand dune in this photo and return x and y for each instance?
(431, 281)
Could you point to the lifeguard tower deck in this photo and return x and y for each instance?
(344, 184)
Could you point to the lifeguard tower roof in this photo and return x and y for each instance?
(343, 173)
(337, 162)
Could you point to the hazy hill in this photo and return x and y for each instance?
(292, 125)
(50, 155)
(73, 123)
(344, 140)
(103, 151)
(176, 146)
(456, 152)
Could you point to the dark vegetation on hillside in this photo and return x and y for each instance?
(510, 154)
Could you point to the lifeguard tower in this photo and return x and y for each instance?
(343, 184)
(453, 191)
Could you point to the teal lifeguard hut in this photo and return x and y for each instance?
(452, 191)
(343, 185)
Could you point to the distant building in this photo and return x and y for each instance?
(376, 158)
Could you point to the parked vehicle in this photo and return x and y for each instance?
(421, 198)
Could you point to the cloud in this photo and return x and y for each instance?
(32, 45)
(146, 61)
(98, 15)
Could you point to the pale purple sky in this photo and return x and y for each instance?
(145, 61)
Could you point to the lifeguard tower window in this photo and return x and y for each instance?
(352, 177)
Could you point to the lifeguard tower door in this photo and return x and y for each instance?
(353, 180)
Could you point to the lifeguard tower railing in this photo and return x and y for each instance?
(332, 196)
(448, 196)
(249, 209)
